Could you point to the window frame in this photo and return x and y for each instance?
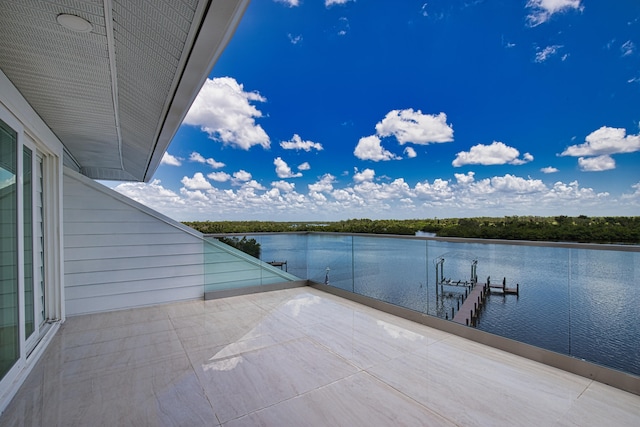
(30, 348)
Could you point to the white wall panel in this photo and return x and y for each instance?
(119, 254)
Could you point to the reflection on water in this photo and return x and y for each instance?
(585, 303)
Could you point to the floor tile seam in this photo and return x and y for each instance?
(106, 328)
(172, 317)
(185, 354)
(120, 350)
(223, 304)
(223, 329)
(587, 387)
(117, 314)
(411, 398)
(297, 396)
(74, 329)
(128, 336)
(330, 350)
(216, 315)
(119, 367)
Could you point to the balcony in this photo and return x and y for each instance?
(300, 356)
(366, 344)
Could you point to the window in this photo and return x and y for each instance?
(23, 308)
(9, 285)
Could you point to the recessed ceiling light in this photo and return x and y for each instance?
(74, 23)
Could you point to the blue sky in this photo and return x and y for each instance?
(336, 109)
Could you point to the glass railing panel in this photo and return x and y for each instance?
(392, 270)
(330, 260)
(227, 267)
(286, 251)
(539, 314)
(605, 308)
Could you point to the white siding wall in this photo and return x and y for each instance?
(120, 254)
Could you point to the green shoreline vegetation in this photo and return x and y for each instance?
(582, 229)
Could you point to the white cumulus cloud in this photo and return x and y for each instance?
(290, 3)
(283, 186)
(325, 199)
(497, 153)
(370, 148)
(198, 158)
(542, 10)
(168, 159)
(219, 176)
(224, 111)
(463, 179)
(516, 184)
(324, 184)
(606, 140)
(304, 166)
(241, 176)
(549, 169)
(297, 143)
(283, 170)
(596, 164)
(439, 191)
(410, 152)
(365, 175)
(413, 126)
(198, 182)
(253, 185)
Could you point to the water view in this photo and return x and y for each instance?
(579, 302)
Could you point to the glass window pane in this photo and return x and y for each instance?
(39, 230)
(9, 332)
(27, 200)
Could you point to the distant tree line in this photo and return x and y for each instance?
(248, 246)
(558, 228)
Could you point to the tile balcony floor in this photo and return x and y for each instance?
(294, 357)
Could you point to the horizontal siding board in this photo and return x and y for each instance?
(140, 299)
(114, 216)
(81, 201)
(134, 274)
(134, 239)
(82, 227)
(132, 287)
(91, 265)
(130, 251)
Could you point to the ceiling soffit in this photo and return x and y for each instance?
(114, 96)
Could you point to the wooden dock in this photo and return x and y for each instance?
(474, 296)
(470, 309)
(279, 264)
(503, 289)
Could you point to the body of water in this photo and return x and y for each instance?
(580, 302)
